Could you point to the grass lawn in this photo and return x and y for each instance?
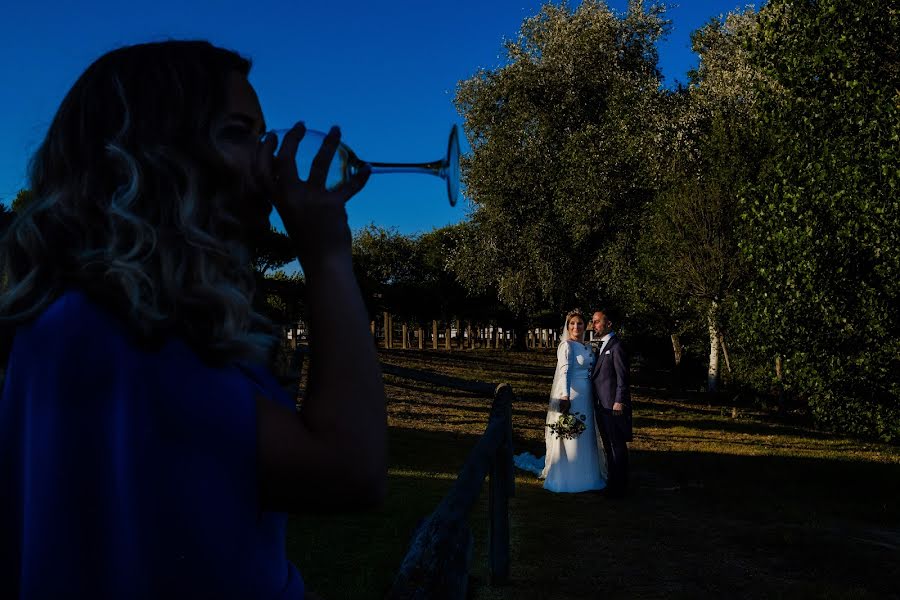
(719, 506)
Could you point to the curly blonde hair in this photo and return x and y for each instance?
(135, 206)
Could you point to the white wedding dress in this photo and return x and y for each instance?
(575, 465)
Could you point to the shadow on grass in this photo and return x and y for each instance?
(747, 427)
(770, 487)
(357, 555)
(434, 389)
(693, 525)
(430, 451)
(470, 406)
(537, 364)
(708, 525)
(696, 524)
(456, 383)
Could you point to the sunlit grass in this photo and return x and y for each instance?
(721, 505)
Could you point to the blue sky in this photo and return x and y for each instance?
(384, 71)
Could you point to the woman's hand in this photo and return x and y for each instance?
(339, 440)
(314, 217)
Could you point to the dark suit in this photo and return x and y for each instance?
(609, 380)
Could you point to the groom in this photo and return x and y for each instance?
(612, 402)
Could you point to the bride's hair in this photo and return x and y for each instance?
(134, 204)
(575, 312)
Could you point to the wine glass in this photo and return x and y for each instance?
(346, 163)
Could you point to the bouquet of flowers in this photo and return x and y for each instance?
(568, 426)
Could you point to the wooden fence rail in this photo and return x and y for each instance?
(457, 334)
(437, 563)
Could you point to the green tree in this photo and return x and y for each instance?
(383, 260)
(822, 218)
(283, 297)
(689, 262)
(272, 250)
(6, 217)
(410, 276)
(22, 200)
(279, 295)
(442, 296)
(562, 139)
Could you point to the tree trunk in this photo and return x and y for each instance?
(520, 338)
(675, 382)
(677, 348)
(712, 378)
(434, 335)
(725, 352)
(779, 375)
(725, 356)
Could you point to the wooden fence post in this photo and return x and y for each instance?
(387, 330)
(503, 486)
(404, 331)
(437, 563)
(434, 335)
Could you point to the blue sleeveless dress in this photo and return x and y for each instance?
(131, 474)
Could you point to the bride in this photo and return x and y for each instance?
(571, 465)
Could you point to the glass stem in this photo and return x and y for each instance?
(428, 168)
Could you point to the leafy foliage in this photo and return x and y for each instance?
(409, 276)
(821, 222)
(688, 262)
(282, 297)
(6, 217)
(558, 174)
(272, 250)
(23, 198)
